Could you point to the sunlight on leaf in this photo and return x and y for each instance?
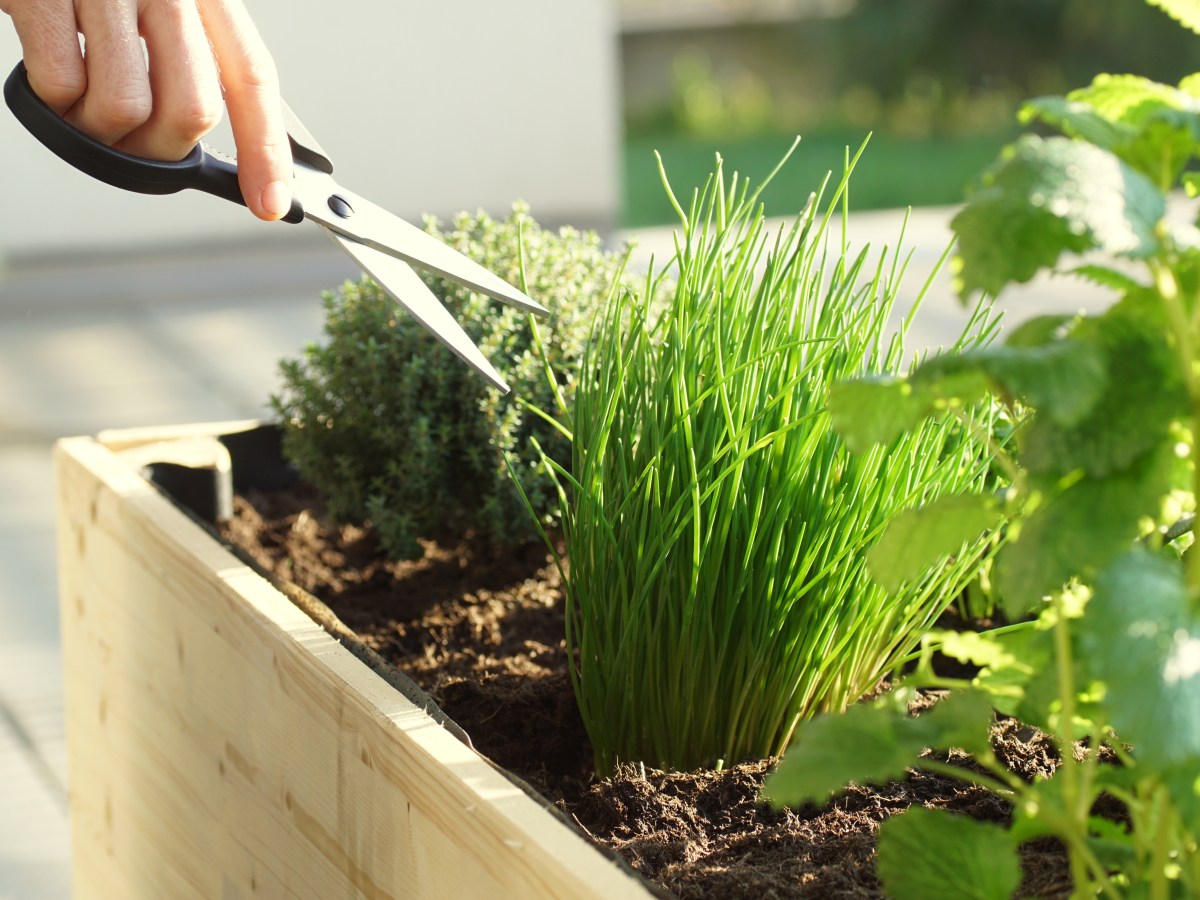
(1141, 640)
(1046, 197)
(1185, 12)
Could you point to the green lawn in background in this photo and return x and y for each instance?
(893, 172)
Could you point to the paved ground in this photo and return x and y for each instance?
(87, 345)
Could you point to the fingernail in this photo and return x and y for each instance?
(276, 199)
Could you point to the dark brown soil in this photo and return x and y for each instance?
(482, 633)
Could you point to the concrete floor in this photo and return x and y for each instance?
(189, 337)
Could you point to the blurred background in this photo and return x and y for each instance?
(937, 82)
(118, 310)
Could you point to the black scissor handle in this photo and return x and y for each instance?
(201, 169)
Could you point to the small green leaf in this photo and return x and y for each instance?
(1046, 197)
(1139, 637)
(886, 743)
(930, 854)
(980, 649)
(915, 539)
(1080, 529)
(1010, 676)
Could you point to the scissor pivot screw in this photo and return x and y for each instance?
(340, 206)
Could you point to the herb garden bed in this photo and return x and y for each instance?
(237, 749)
(483, 634)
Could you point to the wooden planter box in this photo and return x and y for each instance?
(224, 745)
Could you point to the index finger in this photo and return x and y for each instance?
(251, 88)
(50, 46)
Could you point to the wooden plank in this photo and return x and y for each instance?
(222, 745)
(117, 439)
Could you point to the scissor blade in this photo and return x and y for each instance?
(406, 287)
(304, 146)
(376, 227)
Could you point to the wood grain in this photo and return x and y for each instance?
(222, 745)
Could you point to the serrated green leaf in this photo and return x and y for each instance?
(1130, 100)
(1046, 197)
(1185, 12)
(918, 538)
(1080, 529)
(1062, 379)
(1107, 277)
(1151, 126)
(1142, 395)
(1077, 119)
(929, 854)
(1140, 639)
(886, 743)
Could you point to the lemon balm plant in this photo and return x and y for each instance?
(1100, 510)
(715, 524)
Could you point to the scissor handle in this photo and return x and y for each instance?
(201, 169)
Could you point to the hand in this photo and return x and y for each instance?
(197, 51)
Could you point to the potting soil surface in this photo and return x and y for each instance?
(483, 634)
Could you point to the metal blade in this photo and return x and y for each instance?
(405, 286)
(304, 146)
(374, 226)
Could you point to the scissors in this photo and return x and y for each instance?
(384, 245)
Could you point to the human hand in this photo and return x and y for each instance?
(197, 50)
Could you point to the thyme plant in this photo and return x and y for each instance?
(1100, 555)
(393, 429)
(715, 524)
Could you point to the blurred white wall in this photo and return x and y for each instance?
(424, 107)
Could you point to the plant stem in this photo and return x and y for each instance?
(1073, 794)
(999, 781)
(1182, 328)
(1160, 888)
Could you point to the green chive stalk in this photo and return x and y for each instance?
(716, 526)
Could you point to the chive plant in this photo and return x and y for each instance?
(716, 526)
